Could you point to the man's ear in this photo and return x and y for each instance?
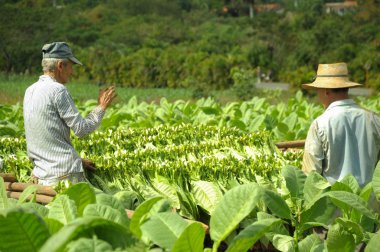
(327, 91)
(60, 64)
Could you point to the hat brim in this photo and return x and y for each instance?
(330, 84)
(75, 61)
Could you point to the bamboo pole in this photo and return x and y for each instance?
(8, 177)
(19, 187)
(291, 144)
(43, 199)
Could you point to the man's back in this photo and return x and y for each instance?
(47, 135)
(344, 139)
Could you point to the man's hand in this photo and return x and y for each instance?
(106, 96)
(88, 165)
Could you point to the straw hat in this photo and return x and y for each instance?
(331, 76)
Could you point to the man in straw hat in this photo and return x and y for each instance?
(50, 114)
(345, 139)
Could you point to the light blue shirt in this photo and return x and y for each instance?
(344, 139)
(49, 115)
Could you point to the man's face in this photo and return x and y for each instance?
(65, 71)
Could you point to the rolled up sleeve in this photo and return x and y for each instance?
(313, 155)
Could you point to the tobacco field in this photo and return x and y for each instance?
(198, 176)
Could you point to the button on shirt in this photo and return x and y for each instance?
(49, 114)
(344, 139)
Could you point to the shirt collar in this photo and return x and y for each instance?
(47, 78)
(345, 102)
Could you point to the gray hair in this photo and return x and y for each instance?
(50, 64)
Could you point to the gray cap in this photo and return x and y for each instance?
(59, 50)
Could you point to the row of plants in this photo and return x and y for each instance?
(168, 160)
(287, 121)
(249, 216)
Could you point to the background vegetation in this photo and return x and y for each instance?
(191, 43)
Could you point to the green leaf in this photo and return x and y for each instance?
(276, 204)
(237, 124)
(291, 120)
(352, 200)
(247, 238)
(53, 225)
(283, 243)
(207, 195)
(28, 192)
(365, 193)
(164, 229)
(129, 199)
(339, 239)
(106, 212)
(63, 209)
(3, 195)
(191, 239)
(308, 225)
(188, 206)
(299, 96)
(276, 229)
(315, 185)
(295, 180)
(321, 211)
(114, 234)
(82, 194)
(309, 243)
(211, 110)
(109, 200)
(350, 181)
(256, 123)
(141, 214)
(338, 186)
(236, 204)
(352, 228)
(373, 244)
(168, 190)
(282, 128)
(21, 230)
(38, 208)
(376, 181)
(86, 244)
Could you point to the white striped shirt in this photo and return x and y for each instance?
(49, 114)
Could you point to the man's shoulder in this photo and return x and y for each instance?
(47, 86)
(336, 114)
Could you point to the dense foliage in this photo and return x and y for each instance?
(191, 43)
(251, 214)
(286, 120)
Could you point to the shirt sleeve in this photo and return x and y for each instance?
(73, 119)
(313, 154)
(377, 125)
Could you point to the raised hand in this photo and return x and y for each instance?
(106, 96)
(88, 165)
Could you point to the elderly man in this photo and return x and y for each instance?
(50, 113)
(345, 138)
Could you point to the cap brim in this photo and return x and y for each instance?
(75, 61)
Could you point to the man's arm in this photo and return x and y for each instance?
(313, 153)
(70, 114)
